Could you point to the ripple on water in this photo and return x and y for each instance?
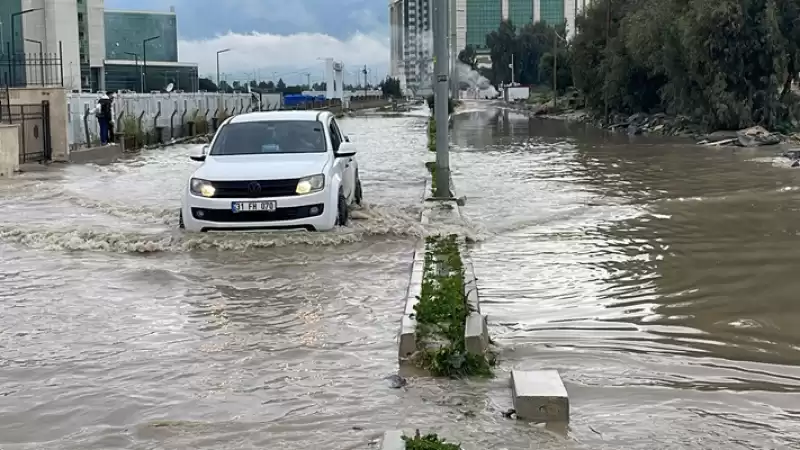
(600, 267)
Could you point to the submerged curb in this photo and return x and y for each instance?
(537, 395)
(476, 334)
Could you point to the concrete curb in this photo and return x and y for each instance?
(407, 340)
(476, 334)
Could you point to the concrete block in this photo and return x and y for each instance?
(393, 440)
(408, 337)
(419, 251)
(9, 149)
(539, 396)
(412, 299)
(476, 334)
(414, 286)
(425, 219)
(473, 300)
(99, 155)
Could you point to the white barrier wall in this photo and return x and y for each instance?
(170, 111)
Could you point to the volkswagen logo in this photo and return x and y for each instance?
(254, 187)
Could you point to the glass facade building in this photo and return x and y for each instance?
(127, 30)
(483, 17)
(552, 11)
(8, 7)
(128, 75)
(520, 12)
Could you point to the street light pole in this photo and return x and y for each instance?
(41, 57)
(224, 50)
(441, 98)
(144, 61)
(14, 40)
(454, 49)
(136, 63)
(13, 26)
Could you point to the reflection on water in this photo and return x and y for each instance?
(657, 277)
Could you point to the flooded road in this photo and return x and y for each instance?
(656, 276)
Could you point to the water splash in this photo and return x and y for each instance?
(368, 221)
(479, 86)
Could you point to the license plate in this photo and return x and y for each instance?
(268, 206)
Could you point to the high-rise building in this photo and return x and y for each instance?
(396, 30)
(98, 49)
(483, 17)
(413, 18)
(411, 36)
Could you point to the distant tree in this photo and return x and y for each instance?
(225, 87)
(281, 86)
(469, 57)
(564, 77)
(431, 101)
(390, 87)
(263, 85)
(296, 89)
(501, 44)
(205, 84)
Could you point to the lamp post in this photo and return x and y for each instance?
(14, 40)
(41, 57)
(136, 62)
(224, 50)
(144, 61)
(13, 26)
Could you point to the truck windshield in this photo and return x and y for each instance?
(274, 136)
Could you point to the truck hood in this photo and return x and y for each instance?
(262, 167)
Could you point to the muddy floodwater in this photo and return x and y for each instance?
(658, 277)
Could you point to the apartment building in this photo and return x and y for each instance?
(411, 55)
(410, 22)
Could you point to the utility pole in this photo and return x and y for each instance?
(512, 68)
(440, 100)
(605, 84)
(454, 50)
(555, 69)
(365, 71)
(308, 80)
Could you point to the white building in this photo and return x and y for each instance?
(93, 48)
(74, 26)
(411, 58)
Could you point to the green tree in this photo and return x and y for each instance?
(469, 57)
(502, 44)
(725, 64)
(390, 87)
(280, 86)
(431, 101)
(205, 84)
(564, 77)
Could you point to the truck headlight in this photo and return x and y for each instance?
(202, 188)
(307, 185)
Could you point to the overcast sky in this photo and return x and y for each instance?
(278, 36)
